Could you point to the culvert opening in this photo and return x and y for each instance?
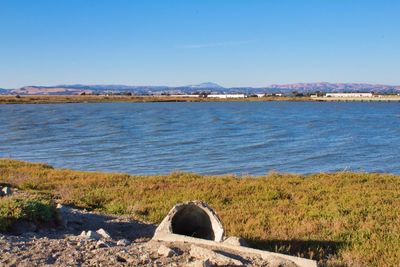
(192, 221)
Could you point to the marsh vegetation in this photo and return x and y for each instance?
(336, 218)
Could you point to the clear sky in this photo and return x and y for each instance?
(180, 42)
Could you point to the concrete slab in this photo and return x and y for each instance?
(168, 237)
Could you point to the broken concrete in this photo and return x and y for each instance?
(62, 213)
(101, 244)
(199, 263)
(196, 223)
(6, 191)
(90, 235)
(103, 233)
(236, 241)
(123, 242)
(215, 258)
(195, 219)
(165, 251)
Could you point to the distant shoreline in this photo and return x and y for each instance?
(64, 99)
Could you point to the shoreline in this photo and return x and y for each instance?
(66, 99)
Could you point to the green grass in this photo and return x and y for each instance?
(34, 209)
(338, 219)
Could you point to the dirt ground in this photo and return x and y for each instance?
(66, 246)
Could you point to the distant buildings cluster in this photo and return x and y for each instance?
(225, 96)
(349, 95)
(344, 95)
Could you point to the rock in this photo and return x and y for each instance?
(145, 258)
(165, 251)
(6, 191)
(101, 244)
(67, 217)
(236, 241)
(120, 259)
(213, 257)
(62, 215)
(103, 233)
(199, 263)
(90, 235)
(279, 262)
(80, 243)
(123, 242)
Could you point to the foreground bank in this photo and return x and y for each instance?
(340, 218)
(113, 241)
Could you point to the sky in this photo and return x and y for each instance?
(181, 42)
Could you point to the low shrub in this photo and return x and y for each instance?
(34, 209)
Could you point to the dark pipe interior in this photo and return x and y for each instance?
(192, 221)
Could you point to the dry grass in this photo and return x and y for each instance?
(339, 218)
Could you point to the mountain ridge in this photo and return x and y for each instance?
(206, 85)
(210, 87)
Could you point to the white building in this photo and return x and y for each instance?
(227, 96)
(341, 95)
(274, 94)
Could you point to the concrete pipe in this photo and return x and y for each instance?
(194, 219)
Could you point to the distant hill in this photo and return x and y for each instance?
(338, 87)
(203, 87)
(3, 91)
(207, 85)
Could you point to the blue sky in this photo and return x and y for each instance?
(167, 42)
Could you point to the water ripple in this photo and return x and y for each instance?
(208, 138)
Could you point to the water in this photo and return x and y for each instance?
(207, 138)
